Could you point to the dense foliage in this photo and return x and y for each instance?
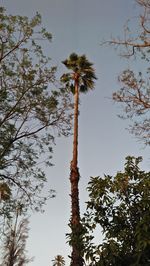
(120, 206)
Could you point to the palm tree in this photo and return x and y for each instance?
(80, 79)
(58, 261)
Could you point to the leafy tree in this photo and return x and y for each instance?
(14, 242)
(58, 261)
(120, 206)
(80, 79)
(135, 93)
(32, 111)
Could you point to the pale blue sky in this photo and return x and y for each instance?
(79, 26)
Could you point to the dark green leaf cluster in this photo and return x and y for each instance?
(77, 237)
(81, 70)
(120, 205)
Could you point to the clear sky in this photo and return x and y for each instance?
(79, 26)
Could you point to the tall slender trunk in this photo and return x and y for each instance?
(12, 249)
(74, 180)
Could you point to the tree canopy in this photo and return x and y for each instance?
(32, 111)
(80, 68)
(120, 206)
(58, 261)
(134, 95)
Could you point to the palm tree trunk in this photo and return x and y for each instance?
(74, 180)
(75, 135)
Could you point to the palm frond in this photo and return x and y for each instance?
(84, 69)
(65, 78)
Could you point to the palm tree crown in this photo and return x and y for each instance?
(81, 70)
(58, 261)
